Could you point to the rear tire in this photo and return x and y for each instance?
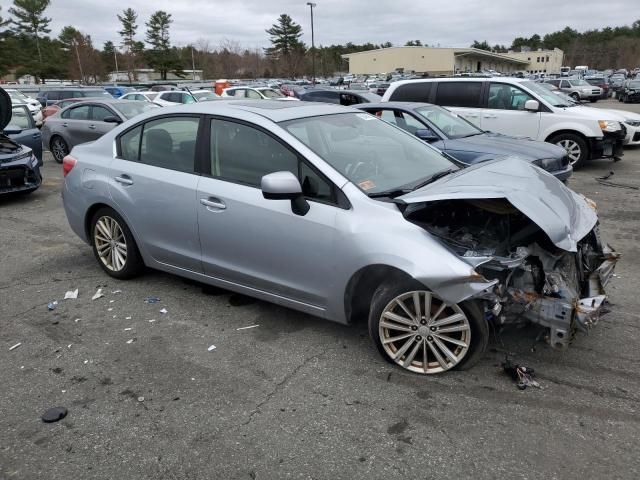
(461, 328)
(576, 148)
(59, 148)
(113, 244)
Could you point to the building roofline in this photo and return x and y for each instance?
(456, 51)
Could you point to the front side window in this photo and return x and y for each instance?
(448, 123)
(243, 154)
(253, 95)
(21, 118)
(77, 113)
(100, 113)
(459, 94)
(170, 143)
(370, 153)
(401, 119)
(507, 97)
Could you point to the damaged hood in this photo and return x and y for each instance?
(494, 143)
(565, 216)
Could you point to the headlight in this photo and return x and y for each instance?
(549, 164)
(609, 125)
(34, 161)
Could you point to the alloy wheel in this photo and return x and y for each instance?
(59, 149)
(573, 150)
(423, 334)
(110, 243)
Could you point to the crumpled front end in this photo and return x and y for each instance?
(533, 279)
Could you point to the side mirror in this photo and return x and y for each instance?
(285, 186)
(112, 119)
(427, 135)
(532, 105)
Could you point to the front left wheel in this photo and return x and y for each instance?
(114, 246)
(415, 329)
(59, 148)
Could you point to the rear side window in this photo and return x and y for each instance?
(77, 113)
(170, 143)
(459, 94)
(130, 144)
(412, 92)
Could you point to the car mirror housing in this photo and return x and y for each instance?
(285, 186)
(112, 119)
(426, 135)
(532, 105)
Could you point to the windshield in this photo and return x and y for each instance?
(634, 84)
(374, 155)
(269, 93)
(448, 123)
(547, 95)
(205, 96)
(95, 93)
(131, 109)
(17, 95)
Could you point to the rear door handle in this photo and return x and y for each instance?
(474, 115)
(124, 180)
(65, 124)
(212, 202)
(92, 127)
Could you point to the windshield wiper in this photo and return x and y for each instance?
(434, 177)
(394, 192)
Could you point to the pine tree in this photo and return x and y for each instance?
(285, 43)
(30, 19)
(161, 56)
(128, 20)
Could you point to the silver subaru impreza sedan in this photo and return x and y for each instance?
(331, 211)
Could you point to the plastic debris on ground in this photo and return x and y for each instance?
(71, 294)
(128, 329)
(131, 340)
(15, 346)
(523, 376)
(151, 300)
(127, 318)
(211, 348)
(54, 414)
(115, 292)
(247, 328)
(52, 305)
(97, 295)
(152, 320)
(141, 399)
(164, 310)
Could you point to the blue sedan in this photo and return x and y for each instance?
(464, 141)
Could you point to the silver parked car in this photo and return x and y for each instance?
(87, 121)
(333, 212)
(577, 88)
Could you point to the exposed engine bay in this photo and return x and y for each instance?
(537, 281)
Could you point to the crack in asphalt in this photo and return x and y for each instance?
(278, 386)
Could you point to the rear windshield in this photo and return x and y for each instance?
(131, 109)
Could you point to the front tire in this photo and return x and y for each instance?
(59, 148)
(575, 96)
(415, 329)
(576, 148)
(114, 246)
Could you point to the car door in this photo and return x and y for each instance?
(153, 183)
(464, 98)
(29, 135)
(505, 111)
(97, 125)
(75, 125)
(257, 243)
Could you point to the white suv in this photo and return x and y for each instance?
(513, 106)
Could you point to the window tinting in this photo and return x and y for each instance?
(412, 92)
(243, 154)
(170, 143)
(459, 94)
(507, 97)
(77, 113)
(100, 113)
(130, 144)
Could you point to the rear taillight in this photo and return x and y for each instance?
(68, 163)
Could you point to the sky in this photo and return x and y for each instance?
(454, 23)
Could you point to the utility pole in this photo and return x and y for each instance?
(313, 47)
(115, 57)
(193, 65)
(75, 44)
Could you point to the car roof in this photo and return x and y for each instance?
(396, 105)
(274, 110)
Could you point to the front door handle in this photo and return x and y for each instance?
(65, 124)
(92, 127)
(213, 203)
(469, 115)
(124, 180)
(490, 116)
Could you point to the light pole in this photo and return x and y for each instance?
(313, 48)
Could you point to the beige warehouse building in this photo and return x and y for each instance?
(541, 61)
(442, 61)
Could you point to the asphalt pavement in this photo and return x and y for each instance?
(294, 396)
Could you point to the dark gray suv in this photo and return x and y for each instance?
(49, 97)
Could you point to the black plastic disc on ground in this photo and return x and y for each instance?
(54, 414)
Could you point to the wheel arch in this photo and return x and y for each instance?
(97, 206)
(361, 287)
(567, 131)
